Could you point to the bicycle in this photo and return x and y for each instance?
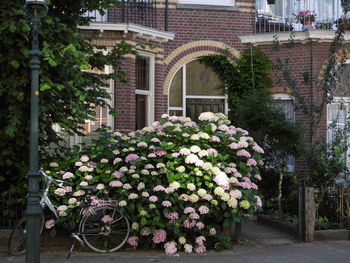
(102, 228)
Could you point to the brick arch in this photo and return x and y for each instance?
(175, 65)
(339, 57)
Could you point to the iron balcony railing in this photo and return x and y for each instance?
(147, 13)
(266, 24)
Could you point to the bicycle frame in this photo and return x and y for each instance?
(45, 200)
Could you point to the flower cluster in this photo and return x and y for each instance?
(306, 15)
(177, 181)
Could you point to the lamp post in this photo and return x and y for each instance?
(35, 10)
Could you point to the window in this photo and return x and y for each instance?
(338, 113)
(285, 103)
(144, 91)
(343, 80)
(196, 89)
(325, 9)
(208, 2)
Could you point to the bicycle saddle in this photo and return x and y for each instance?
(89, 188)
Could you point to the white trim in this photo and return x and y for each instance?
(204, 97)
(149, 93)
(209, 2)
(299, 36)
(175, 108)
(184, 89)
(282, 96)
(141, 30)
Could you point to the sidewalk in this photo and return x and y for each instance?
(263, 245)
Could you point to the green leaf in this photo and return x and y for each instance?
(44, 87)
(14, 63)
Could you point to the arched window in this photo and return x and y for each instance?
(196, 89)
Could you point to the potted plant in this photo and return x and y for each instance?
(306, 17)
(344, 22)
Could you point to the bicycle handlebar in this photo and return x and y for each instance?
(57, 181)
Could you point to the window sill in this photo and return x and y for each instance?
(207, 7)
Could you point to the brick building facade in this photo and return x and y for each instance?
(166, 78)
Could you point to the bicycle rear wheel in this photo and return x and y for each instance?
(17, 241)
(104, 229)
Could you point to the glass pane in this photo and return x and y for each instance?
(287, 107)
(202, 81)
(141, 111)
(101, 119)
(142, 73)
(175, 112)
(343, 81)
(175, 95)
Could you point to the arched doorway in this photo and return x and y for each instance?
(194, 89)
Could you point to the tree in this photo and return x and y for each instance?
(69, 90)
(247, 85)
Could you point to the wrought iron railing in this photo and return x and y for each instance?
(266, 24)
(11, 209)
(148, 13)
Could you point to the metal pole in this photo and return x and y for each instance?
(33, 210)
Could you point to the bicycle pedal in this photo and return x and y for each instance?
(76, 237)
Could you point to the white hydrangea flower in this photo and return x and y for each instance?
(182, 240)
(175, 185)
(191, 159)
(232, 202)
(191, 187)
(199, 163)
(79, 193)
(219, 191)
(135, 226)
(225, 197)
(212, 231)
(207, 166)
(215, 170)
(141, 186)
(222, 180)
(185, 135)
(100, 186)
(203, 153)
(185, 151)
(180, 169)
(195, 149)
(194, 198)
(122, 203)
(145, 194)
(195, 137)
(201, 192)
(204, 135)
(206, 116)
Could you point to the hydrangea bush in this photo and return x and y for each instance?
(179, 183)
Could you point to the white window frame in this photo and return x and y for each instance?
(286, 97)
(185, 96)
(149, 93)
(209, 2)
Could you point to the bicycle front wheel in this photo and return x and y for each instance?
(104, 229)
(17, 241)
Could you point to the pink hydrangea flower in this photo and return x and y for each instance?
(160, 153)
(258, 149)
(152, 155)
(117, 174)
(115, 184)
(189, 224)
(185, 197)
(159, 188)
(166, 203)
(131, 157)
(67, 175)
(172, 216)
(203, 210)
(200, 249)
(159, 236)
(188, 248)
(251, 162)
(145, 231)
(200, 240)
(243, 153)
(213, 151)
(88, 177)
(153, 199)
(158, 127)
(106, 219)
(258, 177)
(234, 146)
(215, 139)
(170, 248)
(133, 241)
(207, 197)
(62, 208)
(194, 216)
(189, 210)
(49, 224)
(83, 168)
(175, 155)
